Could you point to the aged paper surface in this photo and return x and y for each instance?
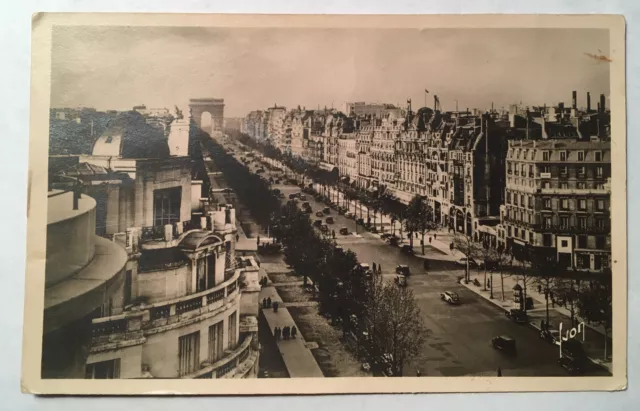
(151, 285)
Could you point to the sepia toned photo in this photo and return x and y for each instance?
(326, 204)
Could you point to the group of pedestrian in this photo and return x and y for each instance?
(377, 269)
(264, 281)
(266, 302)
(285, 333)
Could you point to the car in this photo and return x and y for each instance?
(393, 241)
(344, 230)
(572, 366)
(401, 280)
(385, 236)
(319, 214)
(463, 262)
(403, 269)
(305, 204)
(281, 195)
(407, 249)
(326, 210)
(329, 220)
(303, 197)
(348, 214)
(517, 315)
(292, 196)
(550, 335)
(317, 223)
(504, 343)
(275, 191)
(277, 181)
(450, 297)
(324, 228)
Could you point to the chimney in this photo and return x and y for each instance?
(602, 103)
(588, 101)
(574, 100)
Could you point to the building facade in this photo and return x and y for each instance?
(348, 158)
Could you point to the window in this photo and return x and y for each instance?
(582, 241)
(581, 171)
(545, 156)
(515, 199)
(580, 155)
(516, 233)
(166, 206)
(564, 243)
(546, 203)
(582, 204)
(600, 205)
(547, 222)
(509, 231)
(581, 185)
(189, 353)
(545, 169)
(601, 223)
(127, 288)
(531, 238)
(522, 200)
(546, 184)
(600, 242)
(233, 325)
(563, 156)
(563, 171)
(564, 185)
(103, 370)
(582, 222)
(599, 171)
(547, 240)
(598, 155)
(215, 342)
(564, 221)
(564, 204)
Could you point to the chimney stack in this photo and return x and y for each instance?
(574, 101)
(588, 101)
(602, 103)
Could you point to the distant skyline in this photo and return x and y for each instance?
(121, 67)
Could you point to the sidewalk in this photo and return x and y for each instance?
(593, 343)
(298, 359)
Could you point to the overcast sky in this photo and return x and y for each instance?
(119, 67)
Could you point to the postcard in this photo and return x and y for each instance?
(306, 204)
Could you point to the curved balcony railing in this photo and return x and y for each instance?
(223, 367)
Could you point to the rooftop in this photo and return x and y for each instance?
(60, 206)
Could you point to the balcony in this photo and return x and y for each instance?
(235, 364)
(116, 331)
(574, 191)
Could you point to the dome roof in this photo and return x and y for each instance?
(198, 239)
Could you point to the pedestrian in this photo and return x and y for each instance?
(264, 303)
(275, 307)
(429, 240)
(435, 236)
(539, 289)
(237, 237)
(418, 374)
(499, 372)
(542, 325)
(268, 301)
(276, 333)
(294, 331)
(287, 332)
(374, 267)
(379, 268)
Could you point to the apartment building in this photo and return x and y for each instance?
(348, 157)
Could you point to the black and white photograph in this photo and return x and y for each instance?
(323, 204)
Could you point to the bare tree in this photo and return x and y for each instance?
(470, 249)
(399, 329)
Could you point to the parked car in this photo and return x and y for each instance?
(292, 196)
(385, 236)
(343, 230)
(450, 297)
(303, 197)
(319, 214)
(550, 336)
(305, 204)
(277, 181)
(280, 195)
(403, 269)
(517, 315)
(329, 220)
(348, 214)
(326, 210)
(463, 262)
(324, 228)
(393, 241)
(275, 191)
(406, 249)
(504, 343)
(401, 280)
(317, 223)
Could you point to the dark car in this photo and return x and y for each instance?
(393, 241)
(319, 214)
(344, 231)
(329, 220)
(324, 228)
(407, 249)
(403, 269)
(275, 191)
(280, 195)
(303, 197)
(317, 223)
(326, 210)
(517, 315)
(504, 343)
(292, 196)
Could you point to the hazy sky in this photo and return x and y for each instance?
(119, 67)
